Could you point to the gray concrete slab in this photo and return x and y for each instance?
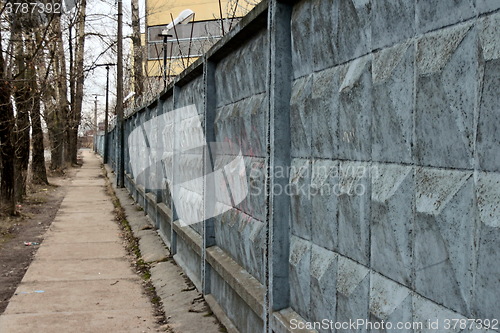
(74, 295)
(80, 278)
(132, 321)
(87, 269)
(79, 236)
(152, 248)
(59, 227)
(98, 250)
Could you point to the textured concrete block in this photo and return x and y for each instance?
(324, 221)
(393, 104)
(257, 63)
(393, 189)
(255, 202)
(302, 34)
(191, 93)
(339, 31)
(167, 105)
(251, 246)
(244, 72)
(355, 110)
(300, 201)
(434, 14)
(433, 316)
(323, 29)
(489, 38)
(354, 211)
(300, 268)
(242, 237)
(488, 131)
(389, 302)
(324, 113)
(446, 97)
(300, 117)
(353, 29)
(392, 22)
(323, 284)
(227, 126)
(487, 293)
(353, 287)
(222, 194)
(484, 6)
(252, 115)
(445, 227)
(192, 169)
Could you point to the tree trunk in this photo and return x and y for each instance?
(58, 117)
(39, 173)
(76, 108)
(6, 147)
(23, 100)
(137, 47)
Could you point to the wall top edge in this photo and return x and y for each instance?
(255, 20)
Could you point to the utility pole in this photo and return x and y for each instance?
(106, 114)
(120, 163)
(105, 157)
(95, 124)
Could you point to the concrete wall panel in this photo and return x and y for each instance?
(447, 66)
(242, 74)
(488, 131)
(324, 193)
(392, 22)
(243, 238)
(300, 277)
(301, 109)
(324, 267)
(354, 211)
(391, 171)
(444, 248)
(302, 53)
(393, 104)
(352, 29)
(484, 6)
(355, 110)
(324, 113)
(393, 189)
(429, 13)
(353, 289)
(300, 184)
(389, 302)
(487, 291)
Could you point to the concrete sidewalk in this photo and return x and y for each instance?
(80, 279)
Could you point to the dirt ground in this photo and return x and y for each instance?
(36, 214)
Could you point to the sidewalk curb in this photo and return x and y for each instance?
(156, 254)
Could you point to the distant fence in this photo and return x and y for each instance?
(368, 135)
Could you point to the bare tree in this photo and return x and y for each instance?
(138, 51)
(79, 76)
(6, 139)
(23, 99)
(56, 113)
(38, 170)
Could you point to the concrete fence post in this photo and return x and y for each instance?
(175, 166)
(209, 105)
(279, 91)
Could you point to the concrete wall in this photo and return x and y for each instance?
(381, 118)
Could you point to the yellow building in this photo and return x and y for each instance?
(211, 20)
